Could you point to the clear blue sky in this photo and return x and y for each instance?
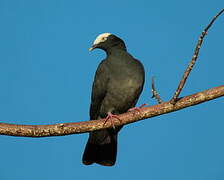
(46, 73)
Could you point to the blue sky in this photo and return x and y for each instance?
(46, 74)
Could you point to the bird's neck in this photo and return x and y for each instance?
(115, 49)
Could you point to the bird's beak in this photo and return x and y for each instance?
(93, 47)
(90, 49)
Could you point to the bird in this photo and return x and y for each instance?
(118, 83)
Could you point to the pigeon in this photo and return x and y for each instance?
(117, 85)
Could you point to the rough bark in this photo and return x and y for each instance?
(126, 118)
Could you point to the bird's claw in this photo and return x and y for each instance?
(110, 117)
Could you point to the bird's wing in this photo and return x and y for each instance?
(139, 90)
(99, 90)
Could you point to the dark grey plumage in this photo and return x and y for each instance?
(118, 82)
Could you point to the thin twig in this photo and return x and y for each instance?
(126, 118)
(194, 58)
(155, 94)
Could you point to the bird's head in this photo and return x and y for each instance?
(107, 41)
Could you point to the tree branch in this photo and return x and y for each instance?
(155, 94)
(193, 60)
(126, 118)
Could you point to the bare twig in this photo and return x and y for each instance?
(126, 118)
(155, 94)
(194, 58)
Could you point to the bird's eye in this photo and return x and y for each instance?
(104, 39)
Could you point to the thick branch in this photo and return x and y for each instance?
(126, 118)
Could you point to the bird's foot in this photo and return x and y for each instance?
(137, 108)
(110, 117)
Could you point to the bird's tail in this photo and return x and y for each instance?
(101, 148)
